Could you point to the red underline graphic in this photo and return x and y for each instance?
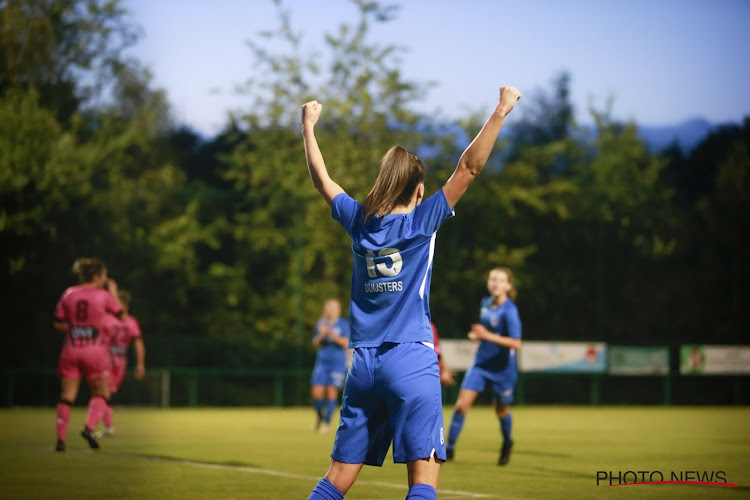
(676, 482)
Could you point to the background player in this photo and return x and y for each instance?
(499, 335)
(330, 338)
(392, 392)
(121, 333)
(80, 314)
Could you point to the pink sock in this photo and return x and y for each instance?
(63, 417)
(97, 407)
(108, 416)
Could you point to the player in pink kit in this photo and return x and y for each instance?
(446, 374)
(121, 333)
(80, 314)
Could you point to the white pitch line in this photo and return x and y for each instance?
(269, 472)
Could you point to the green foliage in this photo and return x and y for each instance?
(295, 254)
(230, 252)
(67, 49)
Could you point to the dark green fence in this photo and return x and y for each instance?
(179, 386)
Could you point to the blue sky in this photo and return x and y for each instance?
(661, 61)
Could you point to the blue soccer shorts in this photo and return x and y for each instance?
(328, 374)
(392, 394)
(502, 384)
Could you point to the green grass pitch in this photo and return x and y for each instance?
(270, 453)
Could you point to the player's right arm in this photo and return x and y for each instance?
(320, 335)
(479, 332)
(472, 160)
(59, 321)
(315, 164)
(111, 287)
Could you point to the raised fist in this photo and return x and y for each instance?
(508, 97)
(311, 112)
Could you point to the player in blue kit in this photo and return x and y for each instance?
(392, 391)
(499, 335)
(331, 338)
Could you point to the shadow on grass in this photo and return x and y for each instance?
(535, 453)
(548, 471)
(177, 460)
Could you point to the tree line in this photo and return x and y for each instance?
(229, 253)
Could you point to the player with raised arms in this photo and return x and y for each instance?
(331, 338)
(499, 335)
(121, 334)
(392, 392)
(80, 314)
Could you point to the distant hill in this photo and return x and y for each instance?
(686, 135)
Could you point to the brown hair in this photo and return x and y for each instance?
(512, 292)
(87, 268)
(400, 174)
(125, 297)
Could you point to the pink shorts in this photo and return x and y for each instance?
(90, 361)
(117, 368)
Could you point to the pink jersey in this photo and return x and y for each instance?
(85, 308)
(121, 333)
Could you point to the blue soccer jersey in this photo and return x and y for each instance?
(503, 320)
(331, 353)
(390, 291)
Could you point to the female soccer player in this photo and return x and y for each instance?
(80, 314)
(392, 392)
(499, 333)
(331, 339)
(121, 333)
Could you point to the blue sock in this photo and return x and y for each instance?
(325, 490)
(318, 405)
(331, 406)
(422, 491)
(505, 425)
(457, 424)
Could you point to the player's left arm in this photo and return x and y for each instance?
(140, 358)
(61, 326)
(339, 340)
(315, 164)
(479, 332)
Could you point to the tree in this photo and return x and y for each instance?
(67, 49)
(95, 179)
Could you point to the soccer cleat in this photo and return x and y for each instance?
(449, 453)
(60, 445)
(324, 427)
(107, 431)
(505, 454)
(89, 436)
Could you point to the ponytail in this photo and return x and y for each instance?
(400, 174)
